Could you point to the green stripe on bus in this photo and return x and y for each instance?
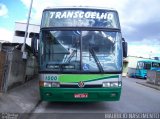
(73, 78)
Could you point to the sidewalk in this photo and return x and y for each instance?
(20, 99)
(145, 83)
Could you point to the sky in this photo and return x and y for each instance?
(140, 20)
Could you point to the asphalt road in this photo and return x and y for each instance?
(135, 98)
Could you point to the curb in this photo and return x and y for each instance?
(29, 114)
(33, 109)
(149, 85)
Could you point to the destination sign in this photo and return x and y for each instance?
(78, 14)
(80, 18)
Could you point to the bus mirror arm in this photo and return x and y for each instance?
(125, 48)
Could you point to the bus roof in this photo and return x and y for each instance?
(79, 7)
(149, 60)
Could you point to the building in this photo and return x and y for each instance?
(13, 69)
(19, 32)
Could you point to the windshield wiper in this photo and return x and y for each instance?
(91, 50)
(71, 56)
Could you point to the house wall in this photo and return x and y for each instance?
(31, 67)
(153, 77)
(16, 69)
(2, 66)
(125, 68)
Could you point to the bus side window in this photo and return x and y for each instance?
(147, 66)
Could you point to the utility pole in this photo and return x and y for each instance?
(24, 56)
(150, 55)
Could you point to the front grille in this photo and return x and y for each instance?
(76, 86)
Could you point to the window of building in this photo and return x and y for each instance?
(32, 35)
(20, 33)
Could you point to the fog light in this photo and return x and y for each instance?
(113, 94)
(48, 94)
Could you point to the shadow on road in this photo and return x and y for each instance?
(80, 106)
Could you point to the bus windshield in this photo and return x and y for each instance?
(144, 65)
(80, 51)
(80, 18)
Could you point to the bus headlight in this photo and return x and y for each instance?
(47, 84)
(55, 84)
(51, 84)
(106, 84)
(112, 84)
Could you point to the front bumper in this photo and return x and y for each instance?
(67, 94)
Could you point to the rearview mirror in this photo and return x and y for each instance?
(34, 45)
(125, 47)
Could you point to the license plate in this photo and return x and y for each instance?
(81, 95)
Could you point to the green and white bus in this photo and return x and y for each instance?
(81, 54)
